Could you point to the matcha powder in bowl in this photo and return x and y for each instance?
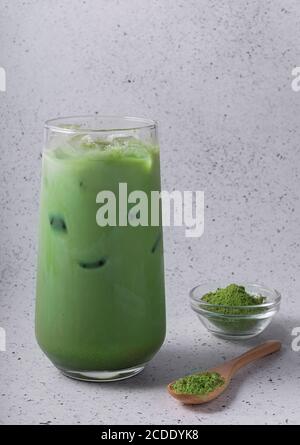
(235, 311)
(233, 299)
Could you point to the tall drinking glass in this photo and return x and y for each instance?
(100, 308)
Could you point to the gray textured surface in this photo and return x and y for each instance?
(217, 76)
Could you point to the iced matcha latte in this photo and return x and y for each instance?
(100, 310)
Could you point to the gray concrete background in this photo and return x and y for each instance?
(217, 76)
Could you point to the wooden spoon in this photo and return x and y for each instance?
(227, 370)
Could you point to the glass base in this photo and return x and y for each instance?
(234, 336)
(103, 376)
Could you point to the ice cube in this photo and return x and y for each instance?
(122, 139)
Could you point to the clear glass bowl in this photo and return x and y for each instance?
(243, 321)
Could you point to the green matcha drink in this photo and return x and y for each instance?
(100, 310)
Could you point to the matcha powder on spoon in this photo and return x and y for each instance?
(198, 384)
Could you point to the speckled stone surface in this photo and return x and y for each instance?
(217, 76)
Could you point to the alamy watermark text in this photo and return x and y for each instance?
(141, 209)
(2, 80)
(2, 340)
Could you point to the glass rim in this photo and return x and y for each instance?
(268, 304)
(138, 123)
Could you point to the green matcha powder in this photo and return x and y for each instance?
(198, 384)
(234, 302)
(233, 295)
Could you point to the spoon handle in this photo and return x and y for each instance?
(254, 354)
